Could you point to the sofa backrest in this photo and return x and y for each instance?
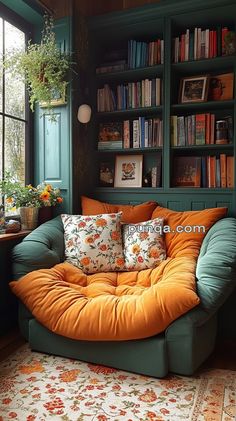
(41, 249)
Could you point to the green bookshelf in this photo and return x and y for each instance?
(164, 20)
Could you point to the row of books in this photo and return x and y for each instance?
(146, 93)
(112, 66)
(201, 129)
(200, 44)
(206, 171)
(139, 133)
(142, 54)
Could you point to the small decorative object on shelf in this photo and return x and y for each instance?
(128, 171)
(187, 171)
(194, 89)
(106, 174)
(221, 87)
(12, 226)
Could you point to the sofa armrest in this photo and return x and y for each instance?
(41, 249)
(216, 266)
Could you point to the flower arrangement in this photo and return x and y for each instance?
(48, 195)
(18, 195)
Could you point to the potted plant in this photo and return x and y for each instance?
(28, 199)
(43, 68)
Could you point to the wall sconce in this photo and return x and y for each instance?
(84, 113)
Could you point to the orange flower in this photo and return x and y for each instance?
(69, 376)
(120, 262)
(101, 369)
(59, 199)
(154, 252)
(136, 249)
(148, 396)
(115, 235)
(48, 187)
(103, 247)
(85, 261)
(6, 401)
(101, 222)
(88, 240)
(143, 235)
(35, 367)
(45, 196)
(9, 200)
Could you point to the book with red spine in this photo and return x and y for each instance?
(223, 182)
(230, 171)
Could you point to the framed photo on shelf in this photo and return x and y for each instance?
(193, 89)
(187, 171)
(221, 87)
(128, 171)
(106, 174)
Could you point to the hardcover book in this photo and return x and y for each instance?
(110, 132)
(187, 171)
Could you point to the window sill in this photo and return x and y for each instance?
(14, 235)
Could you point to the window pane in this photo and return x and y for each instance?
(14, 148)
(1, 57)
(14, 88)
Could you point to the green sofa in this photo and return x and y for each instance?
(184, 345)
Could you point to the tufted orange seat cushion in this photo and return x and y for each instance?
(109, 306)
(130, 213)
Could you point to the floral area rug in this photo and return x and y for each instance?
(40, 387)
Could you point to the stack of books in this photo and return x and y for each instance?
(198, 129)
(142, 54)
(145, 93)
(201, 43)
(207, 171)
(143, 133)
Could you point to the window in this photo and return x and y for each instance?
(14, 108)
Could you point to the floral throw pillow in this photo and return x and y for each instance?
(144, 245)
(94, 243)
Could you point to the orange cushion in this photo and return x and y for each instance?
(187, 243)
(112, 305)
(131, 213)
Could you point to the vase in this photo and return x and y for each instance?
(29, 217)
(45, 214)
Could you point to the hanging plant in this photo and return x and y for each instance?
(42, 67)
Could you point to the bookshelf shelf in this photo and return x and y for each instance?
(129, 190)
(130, 112)
(203, 106)
(130, 74)
(228, 147)
(204, 65)
(130, 150)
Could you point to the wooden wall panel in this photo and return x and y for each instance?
(127, 4)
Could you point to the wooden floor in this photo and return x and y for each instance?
(223, 357)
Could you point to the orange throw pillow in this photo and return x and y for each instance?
(186, 243)
(131, 214)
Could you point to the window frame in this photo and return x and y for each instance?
(20, 23)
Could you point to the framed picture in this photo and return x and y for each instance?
(193, 89)
(128, 171)
(221, 87)
(110, 132)
(56, 100)
(106, 174)
(187, 171)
